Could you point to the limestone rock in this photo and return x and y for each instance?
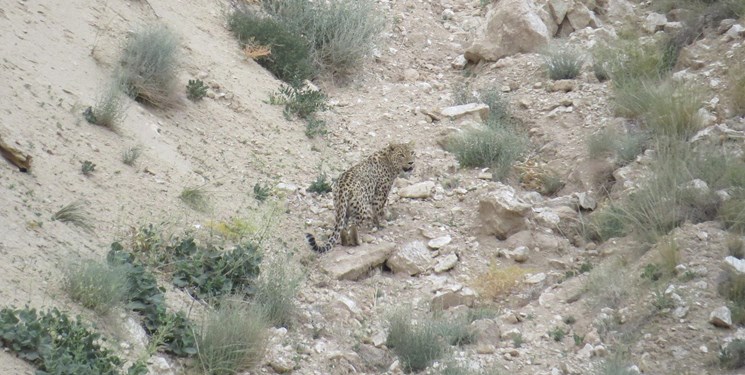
(586, 201)
(564, 85)
(721, 317)
(520, 254)
(502, 213)
(439, 242)
(352, 265)
(738, 265)
(158, 365)
(453, 295)
(459, 111)
(459, 62)
(446, 263)
(654, 22)
(488, 332)
(419, 190)
(512, 26)
(413, 258)
(579, 16)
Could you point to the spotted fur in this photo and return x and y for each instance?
(362, 191)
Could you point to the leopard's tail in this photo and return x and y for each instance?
(333, 240)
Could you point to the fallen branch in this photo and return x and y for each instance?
(17, 158)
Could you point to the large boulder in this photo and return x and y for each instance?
(502, 213)
(355, 263)
(512, 26)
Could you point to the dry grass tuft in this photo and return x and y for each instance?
(497, 281)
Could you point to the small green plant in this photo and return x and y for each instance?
(550, 183)
(518, 340)
(262, 192)
(314, 127)
(497, 150)
(196, 89)
(479, 313)
(563, 63)
(736, 246)
(651, 272)
(606, 223)
(321, 185)
(662, 301)
(557, 333)
(275, 292)
(148, 66)
(456, 330)
(232, 339)
(299, 100)
(608, 284)
(87, 167)
(578, 340)
(74, 213)
(130, 155)
(623, 146)
(732, 356)
(110, 108)
(569, 320)
(97, 286)
(56, 344)
(196, 198)
(732, 213)
(416, 345)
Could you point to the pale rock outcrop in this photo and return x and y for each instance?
(512, 26)
(355, 263)
(502, 213)
(411, 259)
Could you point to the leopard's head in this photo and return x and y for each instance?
(402, 155)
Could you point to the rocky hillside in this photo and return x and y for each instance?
(604, 235)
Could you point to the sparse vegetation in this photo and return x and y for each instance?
(320, 185)
(339, 33)
(275, 292)
(497, 281)
(148, 66)
(622, 146)
(261, 192)
(97, 286)
(562, 62)
(732, 287)
(196, 198)
(608, 283)
(456, 330)
(110, 108)
(130, 155)
(56, 344)
(196, 89)
(74, 213)
(518, 340)
(732, 213)
(662, 301)
(299, 100)
(732, 356)
(87, 167)
(557, 334)
(232, 338)
(736, 246)
(416, 345)
(737, 91)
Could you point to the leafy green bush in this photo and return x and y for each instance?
(261, 192)
(275, 291)
(56, 344)
(562, 62)
(148, 66)
(341, 33)
(232, 338)
(299, 100)
(196, 89)
(97, 286)
(148, 299)
(416, 345)
(289, 59)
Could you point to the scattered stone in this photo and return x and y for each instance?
(735, 32)
(738, 265)
(412, 259)
(290, 188)
(411, 75)
(563, 85)
(585, 201)
(352, 265)
(654, 22)
(721, 317)
(502, 213)
(485, 176)
(446, 263)
(459, 63)
(455, 112)
(373, 356)
(158, 365)
(439, 242)
(453, 295)
(520, 254)
(535, 278)
(488, 332)
(420, 190)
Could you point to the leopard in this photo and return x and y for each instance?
(361, 193)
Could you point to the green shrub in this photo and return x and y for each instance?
(148, 66)
(299, 100)
(321, 185)
(608, 284)
(314, 127)
(289, 59)
(416, 345)
(456, 330)
(97, 286)
(562, 62)
(340, 33)
(606, 223)
(732, 356)
(275, 292)
(87, 167)
(557, 334)
(232, 338)
(495, 149)
(623, 146)
(174, 330)
(56, 344)
(736, 246)
(262, 192)
(196, 89)
(110, 108)
(130, 155)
